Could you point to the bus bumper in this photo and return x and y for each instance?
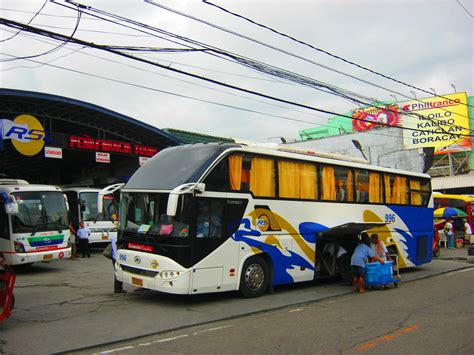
(28, 258)
(153, 272)
(101, 237)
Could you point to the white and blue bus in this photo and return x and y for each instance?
(220, 217)
(34, 224)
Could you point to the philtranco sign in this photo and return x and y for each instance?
(26, 133)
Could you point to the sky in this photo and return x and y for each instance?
(426, 44)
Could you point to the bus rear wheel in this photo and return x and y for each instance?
(254, 278)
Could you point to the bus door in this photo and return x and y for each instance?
(215, 220)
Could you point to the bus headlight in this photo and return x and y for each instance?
(19, 247)
(169, 274)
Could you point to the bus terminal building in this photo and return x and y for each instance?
(51, 139)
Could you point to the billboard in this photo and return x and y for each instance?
(441, 122)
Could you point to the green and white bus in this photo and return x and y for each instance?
(34, 223)
(221, 217)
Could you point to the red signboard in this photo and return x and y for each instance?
(104, 145)
(140, 247)
(373, 117)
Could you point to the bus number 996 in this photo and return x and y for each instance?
(390, 217)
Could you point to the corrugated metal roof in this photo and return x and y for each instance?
(452, 182)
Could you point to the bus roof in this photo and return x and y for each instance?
(465, 198)
(81, 189)
(28, 187)
(189, 163)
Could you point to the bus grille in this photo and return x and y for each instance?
(136, 271)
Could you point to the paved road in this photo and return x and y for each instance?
(429, 316)
(66, 305)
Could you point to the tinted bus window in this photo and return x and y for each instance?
(362, 185)
(344, 184)
(297, 180)
(262, 177)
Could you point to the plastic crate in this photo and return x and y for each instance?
(379, 274)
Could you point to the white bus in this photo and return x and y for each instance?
(34, 224)
(220, 217)
(83, 204)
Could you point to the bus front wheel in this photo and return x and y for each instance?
(254, 278)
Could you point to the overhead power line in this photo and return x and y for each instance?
(305, 81)
(184, 96)
(316, 48)
(61, 37)
(30, 21)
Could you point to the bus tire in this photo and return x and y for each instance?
(254, 278)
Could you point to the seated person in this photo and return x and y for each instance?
(208, 223)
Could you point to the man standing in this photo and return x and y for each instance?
(342, 260)
(449, 230)
(467, 232)
(378, 247)
(118, 285)
(361, 253)
(83, 234)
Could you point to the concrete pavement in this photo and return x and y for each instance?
(67, 305)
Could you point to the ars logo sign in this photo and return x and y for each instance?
(26, 133)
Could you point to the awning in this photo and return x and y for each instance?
(351, 228)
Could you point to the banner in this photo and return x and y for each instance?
(441, 122)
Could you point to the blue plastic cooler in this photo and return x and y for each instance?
(377, 274)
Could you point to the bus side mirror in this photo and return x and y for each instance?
(172, 204)
(11, 206)
(67, 202)
(180, 190)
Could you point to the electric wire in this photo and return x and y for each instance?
(246, 62)
(57, 36)
(30, 21)
(186, 96)
(66, 40)
(316, 48)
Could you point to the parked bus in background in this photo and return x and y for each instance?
(220, 217)
(83, 204)
(462, 202)
(33, 222)
(108, 200)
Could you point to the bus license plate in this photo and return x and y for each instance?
(136, 281)
(47, 257)
(105, 237)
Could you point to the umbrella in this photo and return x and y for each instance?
(446, 212)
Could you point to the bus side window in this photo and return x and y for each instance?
(3, 222)
(362, 186)
(209, 218)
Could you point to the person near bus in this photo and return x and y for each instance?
(342, 260)
(118, 285)
(361, 253)
(467, 232)
(72, 241)
(83, 234)
(379, 247)
(208, 222)
(449, 230)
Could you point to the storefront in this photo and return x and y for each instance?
(57, 140)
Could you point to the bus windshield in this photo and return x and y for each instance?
(40, 211)
(89, 209)
(144, 213)
(109, 212)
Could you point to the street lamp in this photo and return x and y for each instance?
(359, 148)
(454, 88)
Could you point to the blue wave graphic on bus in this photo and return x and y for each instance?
(309, 230)
(281, 262)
